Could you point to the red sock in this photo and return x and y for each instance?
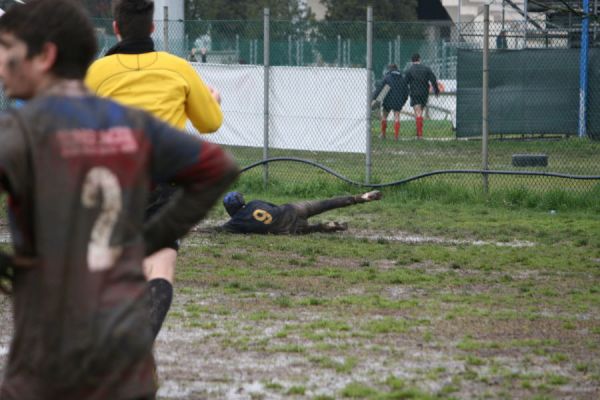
(419, 126)
(383, 127)
(396, 129)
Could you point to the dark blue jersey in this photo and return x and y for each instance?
(262, 217)
(398, 93)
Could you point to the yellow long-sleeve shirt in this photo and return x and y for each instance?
(158, 82)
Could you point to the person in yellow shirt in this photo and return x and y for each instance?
(135, 74)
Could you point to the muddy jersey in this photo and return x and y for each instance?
(263, 217)
(77, 172)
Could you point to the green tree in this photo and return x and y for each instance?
(383, 10)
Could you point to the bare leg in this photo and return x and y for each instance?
(161, 265)
(418, 110)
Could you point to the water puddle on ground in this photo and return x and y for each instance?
(422, 239)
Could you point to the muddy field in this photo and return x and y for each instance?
(294, 323)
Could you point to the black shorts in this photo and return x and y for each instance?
(419, 99)
(388, 110)
(158, 198)
(394, 103)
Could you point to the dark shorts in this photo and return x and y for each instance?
(158, 198)
(387, 110)
(394, 103)
(420, 99)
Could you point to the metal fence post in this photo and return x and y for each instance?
(397, 60)
(369, 88)
(166, 27)
(339, 51)
(484, 96)
(266, 58)
(526, 19)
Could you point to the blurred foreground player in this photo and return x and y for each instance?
(77, 170)
(260, 216)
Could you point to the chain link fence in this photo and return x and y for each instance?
(315, 105)
(298, 89)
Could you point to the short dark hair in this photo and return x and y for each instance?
(62, 22)
(392, 67)
(416, 57)
(133, 18)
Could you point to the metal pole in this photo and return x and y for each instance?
(166, 27)
(398, 49)
(526, 16)
(583, 68)
(289, 49)
(339, 51)
(458, 19)
(503, 12)
(349, 55)
(266, 60)
(368, 94)
(484, 96)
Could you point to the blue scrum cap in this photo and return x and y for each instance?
(233, 201)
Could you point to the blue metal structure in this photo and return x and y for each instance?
(583, 68)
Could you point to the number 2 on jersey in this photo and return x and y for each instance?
(102, 186)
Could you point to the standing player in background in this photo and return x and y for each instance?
(77, 169)
(133, 73)
(394, 100)
(419, 78)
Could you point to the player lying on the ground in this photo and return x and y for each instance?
(260, 216)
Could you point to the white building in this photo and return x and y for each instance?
(470, 10)
(464, 11)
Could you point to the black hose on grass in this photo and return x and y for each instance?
(420, 176)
